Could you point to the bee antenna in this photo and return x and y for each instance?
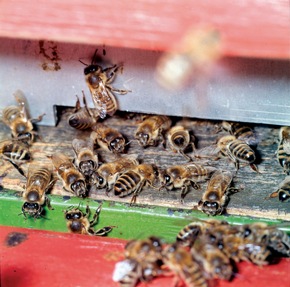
(83, 63)
(94, 57)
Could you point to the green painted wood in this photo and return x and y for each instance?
(132, 222)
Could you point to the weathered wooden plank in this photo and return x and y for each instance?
(254, 187)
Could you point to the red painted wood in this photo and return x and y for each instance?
(250, 28)
(59, 259)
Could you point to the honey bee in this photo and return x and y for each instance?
(133, 180)
(107, 173)
(188, 234)
(148, 254)
(283, 191)
(127, 272)
(16, 118)
(99, 83)
(199, 48)
(151, 130)
(78, 222)
(237, 150)
(83, 118)
(216, 197)
(72, 179)
(214, 262)
(241, 132)
(39, 181)
(108, 138)
(182, 176)
(283, 152)
(184, 266)
(15, 152)
(271, 236)
(179, 140)
(85, 158)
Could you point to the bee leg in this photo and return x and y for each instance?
(184, 192)
(111, 72)
(118, 91)
(102, 231)
(96, 216)
(254, 167)
(185, 156)
(20, 170)
(137, 192)
(195, 185)
(38, 119)
(47, 202)
(272, 195)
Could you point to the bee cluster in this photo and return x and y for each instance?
(203, 251)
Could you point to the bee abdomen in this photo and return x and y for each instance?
(242, 151)
(80, 121)
(126, 183)
(196, 277)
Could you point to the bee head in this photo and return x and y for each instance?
(143, 138)
(33, 209)
(117, 145)
(79, 188)
(73, 215)
(92, 69)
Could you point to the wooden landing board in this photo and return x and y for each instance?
(254, 187)
(41, 258)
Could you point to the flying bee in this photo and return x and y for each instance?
(188, 234)
(283, 191)
(85, 158)
(271, 236)
(184, 266)
(99, 83)
(78, 222)
(214, 262)
(199, 48)
(72, 179)
(241, 132)
(237, 150)
(39, 181)
(16, 118)
(108, 138)
(283, 152)
(107, 173)
(180, 140)
(133, 180)
(182, 176)
(151, 130)
(216, 197)
(83, 118)
(15, 152)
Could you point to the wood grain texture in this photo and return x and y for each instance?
(248, 28)
(254, 187)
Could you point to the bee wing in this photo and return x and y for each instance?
(59, 158)
(79, 144)
(286, 145)
(104, 101)
(22, 101)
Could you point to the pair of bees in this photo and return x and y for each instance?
(16, 151)
(203, 251)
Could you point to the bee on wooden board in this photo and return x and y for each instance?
(16, 118)
(151, 130)
(85, 158)
(238, 151)
(213, 261)
(99, 83)
(133, 180)
(183, 176)
(108, 138)
(215, 198)
(283, 191)
(39, 180)
(107, 173)
(241, 132)
(15, 152)
(184, 266)
(83, 118)
(283, 152)
(78, 222)
(72, 179)
(179, 140)
(199, 48)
